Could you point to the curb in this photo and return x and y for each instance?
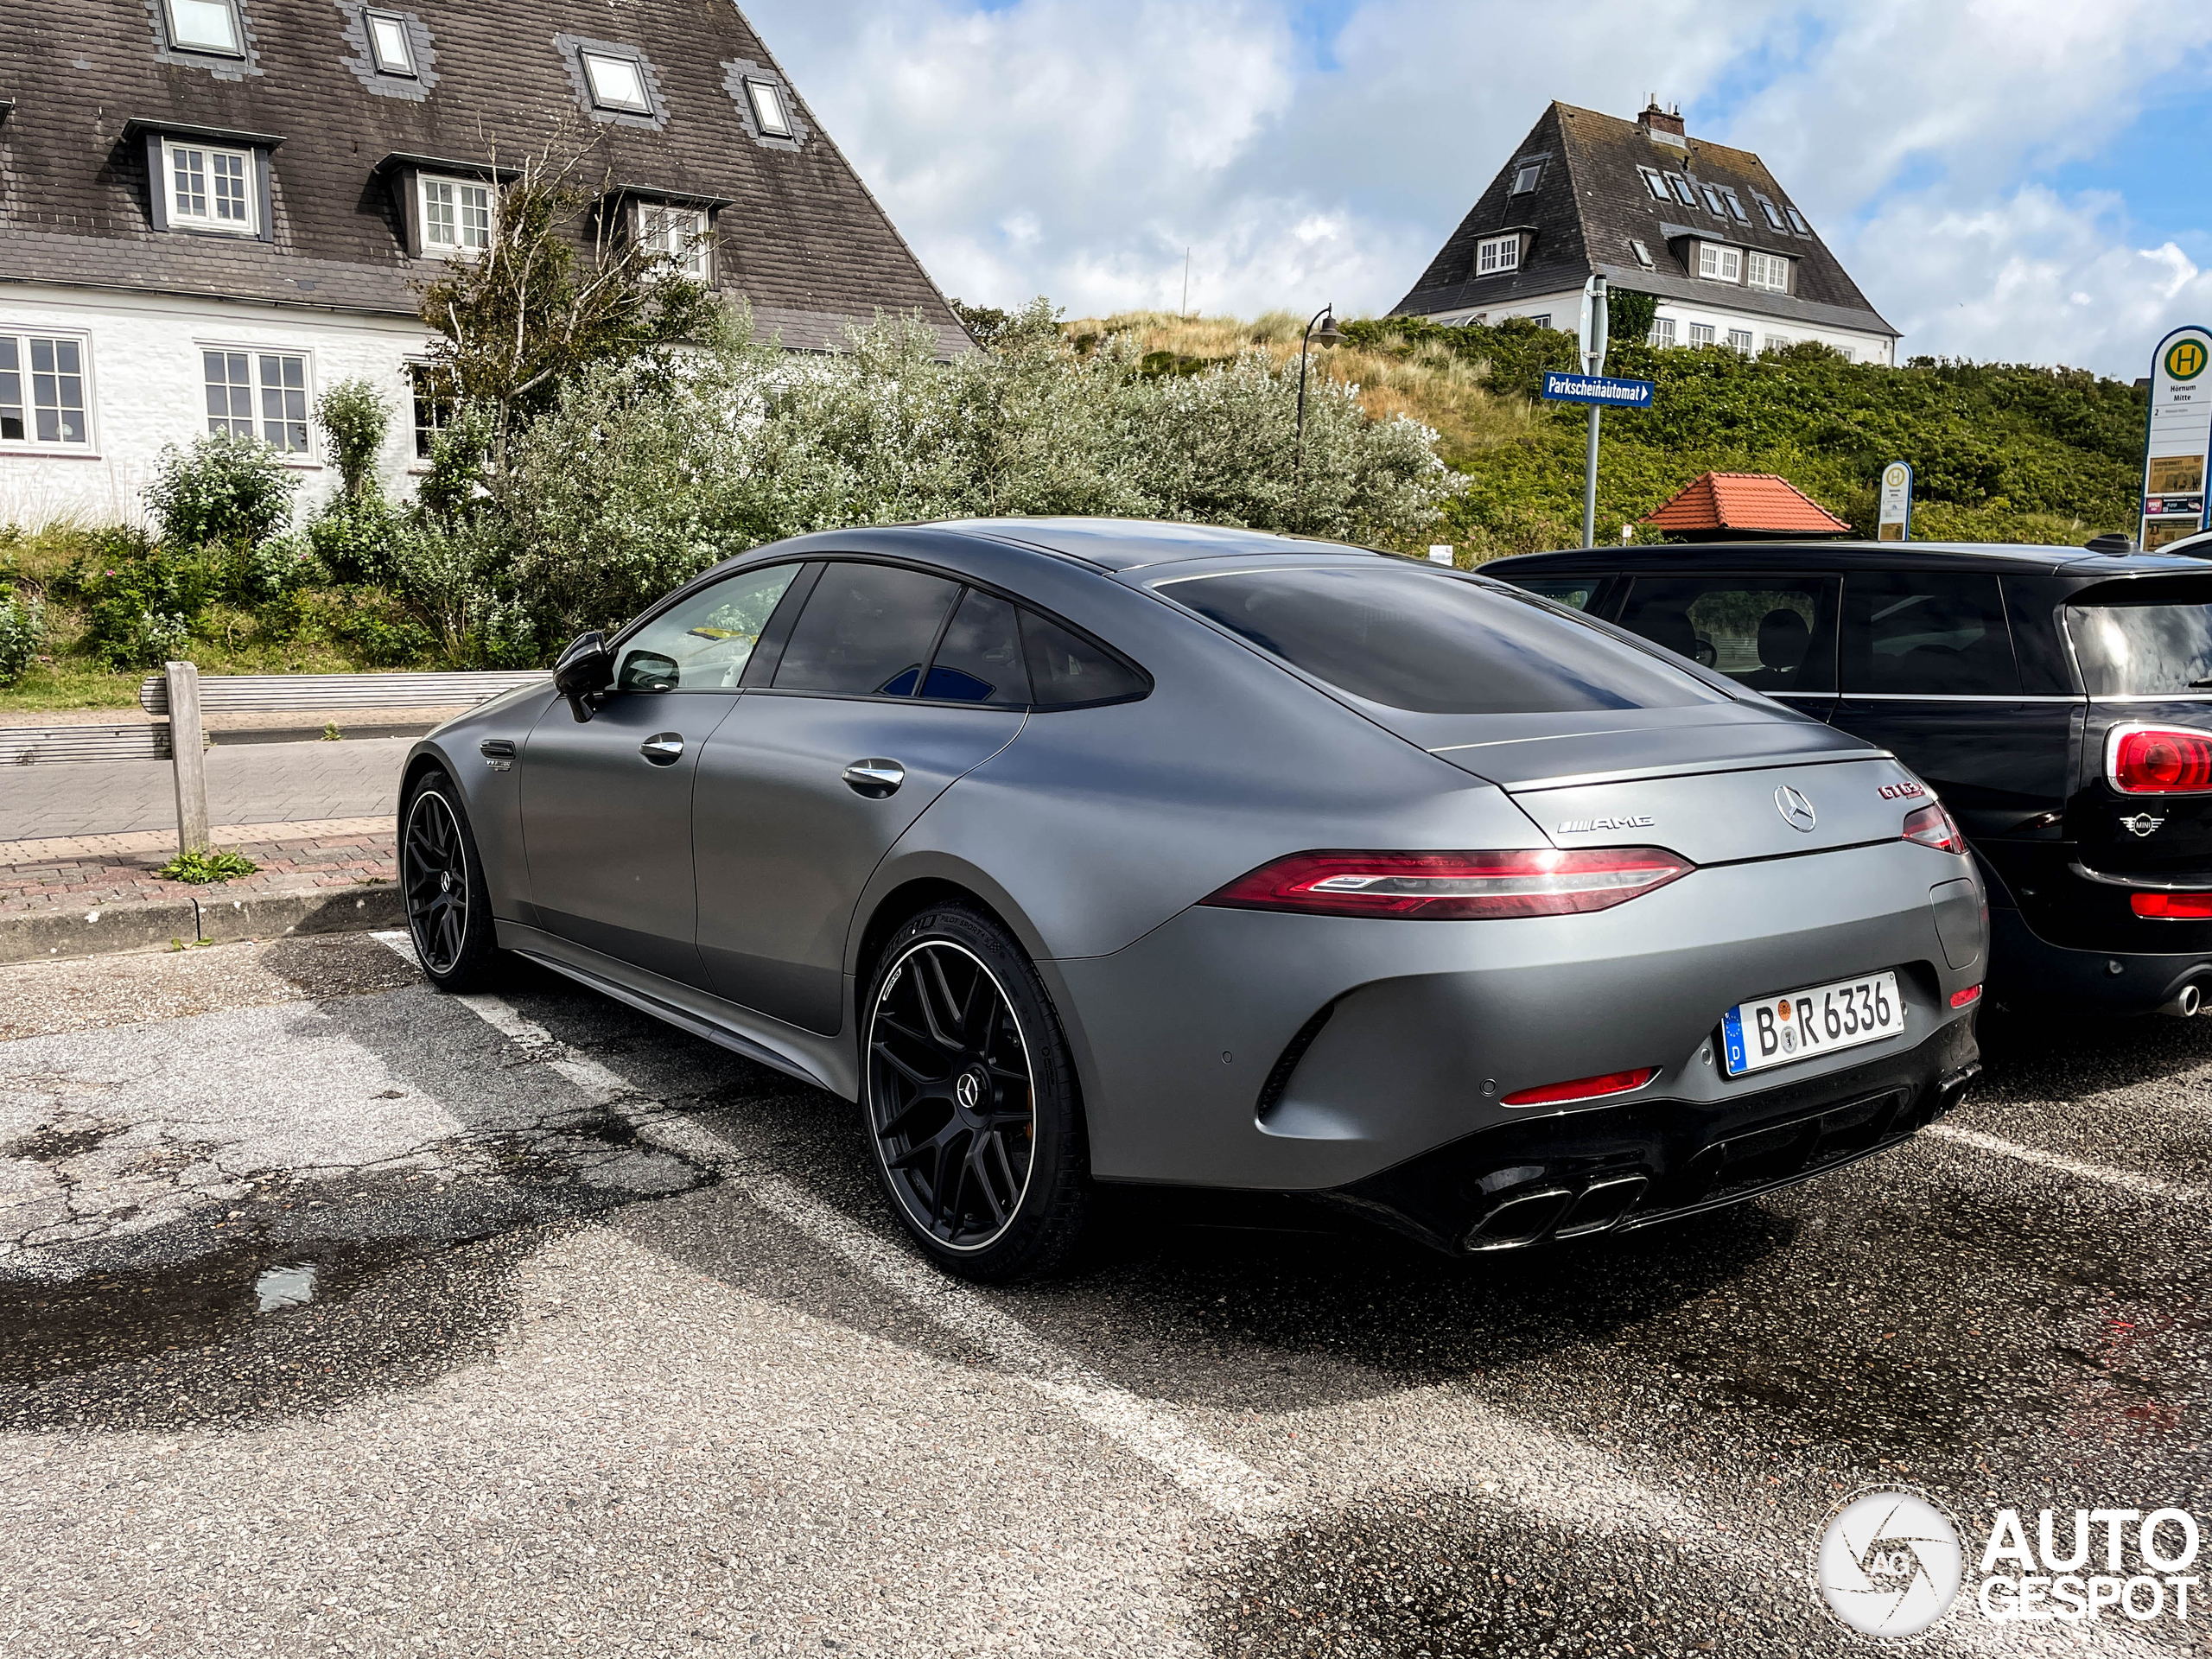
(43, 936)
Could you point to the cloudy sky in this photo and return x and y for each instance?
(2016, 180)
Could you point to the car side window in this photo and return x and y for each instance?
(1774, 634)
(1576, 593)
(1927, 633)
(703, 643)
(1066, 669)
(980, 659)
(866, 631)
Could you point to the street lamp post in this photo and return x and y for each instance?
(1328, 334)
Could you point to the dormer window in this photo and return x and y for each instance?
(616, 83)
(1720, 265)
(1497, 255)
(1683, 194)
(1767, 271)
(681, 236)
(767, 100)
(205, 26)
(388, 45)
(1797, 221)
(1526, 177)
(210, 189)
(1735, 205)
(457, 216)
(1773, 215)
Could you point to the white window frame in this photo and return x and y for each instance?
(1655, 182)
(257, 388)
(1769, 271)
(600, 99)
(1526, 175)
(1739, 339)
(427, 185)
(653, 222)
(86, 448)
(1717, 263)
(405, 66)
(1662, 332)
(1542, 319)
(234, 48)
(1643, 253)
(1498, 256)
(422, 436)
(1774, 342)
(1701, 334)
(771, 108)
(213, 159)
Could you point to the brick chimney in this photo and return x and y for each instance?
(1656, 120)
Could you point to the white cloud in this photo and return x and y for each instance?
(1077, 148)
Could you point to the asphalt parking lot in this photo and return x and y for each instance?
(337, 1316)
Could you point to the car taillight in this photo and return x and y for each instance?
(2172, 907)
(2158, 760)
(1931, 826)
(1454, 887)
(1612, 1082)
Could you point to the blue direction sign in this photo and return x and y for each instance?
(1596, 389)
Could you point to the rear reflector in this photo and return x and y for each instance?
(2172, 907)
(2158, 760)
(1967, 998)
(1454, 887)
(1931, 826)
(1613, 1083)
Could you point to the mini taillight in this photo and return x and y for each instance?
(1931, 826)
(1454, 887)
(1967, 998)
(2172, 907)
(2158, 760)
(1612, 1082)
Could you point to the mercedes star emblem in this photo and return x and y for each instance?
(968, 1091)
(1796, 812)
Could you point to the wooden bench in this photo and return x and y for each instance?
(178, 696)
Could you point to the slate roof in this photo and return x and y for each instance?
(1758, 503)
(802, 238)
(1592, 203)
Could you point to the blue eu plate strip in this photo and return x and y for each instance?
(1732, 1033)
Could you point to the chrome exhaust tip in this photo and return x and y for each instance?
(2184, 1006)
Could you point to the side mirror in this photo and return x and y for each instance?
(587, 666)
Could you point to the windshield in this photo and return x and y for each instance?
(2159, 645)
(1435, 643)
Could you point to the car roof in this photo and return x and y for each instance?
(1131, 543)
(1683, 557)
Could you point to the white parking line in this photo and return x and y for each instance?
(2126, 1180)
(1219, 1479)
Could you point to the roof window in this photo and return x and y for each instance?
(205, 26)
(1735, 205)
(1773, 214)
(616, 83)
(1527, 176)
(1712, 201)
(1653, 182)
(1683, 194)
(1797, 220)
(767, 99)
(388, 44)
(1642, 254)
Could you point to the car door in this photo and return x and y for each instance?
(606, 802)
(893, 682)
(1930, 673)
(1772, 633)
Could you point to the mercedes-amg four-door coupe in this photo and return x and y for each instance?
(1082, 851)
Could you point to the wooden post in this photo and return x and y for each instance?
(187, 753)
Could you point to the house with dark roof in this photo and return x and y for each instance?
(212, 209)
(1704, 228)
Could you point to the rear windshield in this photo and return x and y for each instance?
(2154, 645)
(1434, 644)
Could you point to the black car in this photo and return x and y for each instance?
(2058, 701)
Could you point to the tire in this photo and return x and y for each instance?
(970, 1098)
(441, 883)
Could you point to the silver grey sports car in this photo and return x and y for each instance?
(1084, 851)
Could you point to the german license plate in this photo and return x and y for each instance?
(1781, 1030)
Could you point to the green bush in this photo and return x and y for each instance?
(354, 417)
(141, 601)
(224, 489)
(22, 630)
(269, 569)
(356, 538)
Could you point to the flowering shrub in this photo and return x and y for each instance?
(224, 489)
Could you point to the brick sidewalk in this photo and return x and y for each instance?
(89, 872)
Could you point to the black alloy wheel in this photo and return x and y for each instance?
(448, 908)
(970, 1100)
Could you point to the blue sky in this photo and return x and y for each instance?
(2016, 179)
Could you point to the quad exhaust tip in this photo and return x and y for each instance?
(2184, 1005)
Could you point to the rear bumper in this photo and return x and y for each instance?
(1591, 1173)
(2026, 969)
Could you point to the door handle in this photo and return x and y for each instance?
(662, 748)
(875, 779)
